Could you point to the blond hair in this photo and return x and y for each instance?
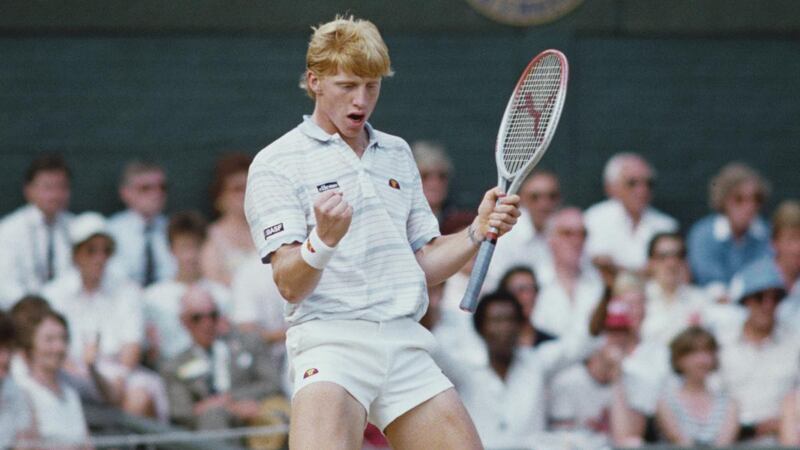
(786, 217)
(352, 45)
(730, 177)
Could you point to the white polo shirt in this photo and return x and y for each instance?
(374, 274)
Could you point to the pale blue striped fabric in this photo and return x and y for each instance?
(373, 274)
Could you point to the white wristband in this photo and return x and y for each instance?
(315, 252)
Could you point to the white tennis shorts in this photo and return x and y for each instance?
(386, 366)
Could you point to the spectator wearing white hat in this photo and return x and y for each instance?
(759, 361)
(104, 313)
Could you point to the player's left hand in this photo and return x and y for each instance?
(502, 215)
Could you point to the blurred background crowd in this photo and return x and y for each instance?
(603, 326)
(644, 297)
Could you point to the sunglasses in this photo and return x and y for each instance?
(632, 183)
(550, 195)
(151, 187)
(570, 232)
(740, 199)
(196, 318)
(97, 249)
(523, 288)
(439, 175)
(775, 295)
(677, 254)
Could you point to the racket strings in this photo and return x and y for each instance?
(528, 124)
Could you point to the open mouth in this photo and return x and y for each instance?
(356, 117)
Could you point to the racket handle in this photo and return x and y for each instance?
(479, 269)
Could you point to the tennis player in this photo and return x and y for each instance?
(337, 208)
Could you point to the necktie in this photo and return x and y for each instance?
(50, 253)
(149, 259)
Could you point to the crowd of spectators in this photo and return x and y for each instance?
(598, 326)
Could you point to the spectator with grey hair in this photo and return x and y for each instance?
(435, 168)
(621, 226)
(140, 231)
(724, 242)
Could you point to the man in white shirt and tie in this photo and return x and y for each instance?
(34, 238)
(140, 231)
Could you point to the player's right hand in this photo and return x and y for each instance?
(333, 215)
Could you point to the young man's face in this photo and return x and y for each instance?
(49, 191)
(344, 102)
(146, 193)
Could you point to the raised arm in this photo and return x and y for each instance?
(297, 268)
(445, 255)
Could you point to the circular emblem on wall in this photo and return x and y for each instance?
(524, 12)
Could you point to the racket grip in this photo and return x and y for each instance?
(479, 269)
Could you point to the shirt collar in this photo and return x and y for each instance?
(38, 216)
(314, 131)
(722, 228)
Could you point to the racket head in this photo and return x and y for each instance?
(531, 117)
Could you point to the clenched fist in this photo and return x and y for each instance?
(333, 215)
(501, 215)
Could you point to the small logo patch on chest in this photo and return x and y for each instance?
(310, 372)
(327, 186)
(394, 184)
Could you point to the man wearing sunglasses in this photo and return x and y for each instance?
(621, 226)
(526, 244)
(222, 378)
(140, 231)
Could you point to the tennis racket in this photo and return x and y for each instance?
(526, 130)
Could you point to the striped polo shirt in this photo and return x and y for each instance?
(374, 274)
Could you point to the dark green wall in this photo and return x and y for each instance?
(690, 84)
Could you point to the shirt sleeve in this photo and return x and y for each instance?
(274, 209)
(422, 225)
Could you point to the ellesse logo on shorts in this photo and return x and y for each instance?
(310, 372)
(269, 231)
